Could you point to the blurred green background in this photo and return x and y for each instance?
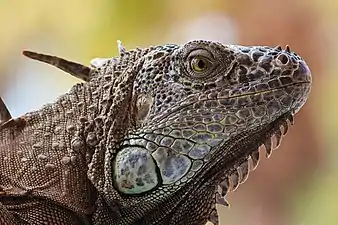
(299, 183)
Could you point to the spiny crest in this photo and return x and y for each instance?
(76, 69)
(99, 62)
(4, 113)
(121, 47)
(6, 119)
(240, 173)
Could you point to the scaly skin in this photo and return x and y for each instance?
(150, 136)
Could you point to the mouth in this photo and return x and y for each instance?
(268, 90)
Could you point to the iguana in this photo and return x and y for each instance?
(157, 135)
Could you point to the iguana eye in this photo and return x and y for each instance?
(199, 64)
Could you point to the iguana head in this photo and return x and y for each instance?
(205, 108)
(196, 115)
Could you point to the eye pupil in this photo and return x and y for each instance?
(201, 64)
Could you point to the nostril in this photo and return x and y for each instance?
(284, 59)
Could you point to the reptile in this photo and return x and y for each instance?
(155, 135)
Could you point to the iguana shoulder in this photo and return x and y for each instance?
(46, 154)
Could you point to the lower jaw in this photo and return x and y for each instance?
(242, 153)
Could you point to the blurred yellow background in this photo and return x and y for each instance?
(298, 185)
